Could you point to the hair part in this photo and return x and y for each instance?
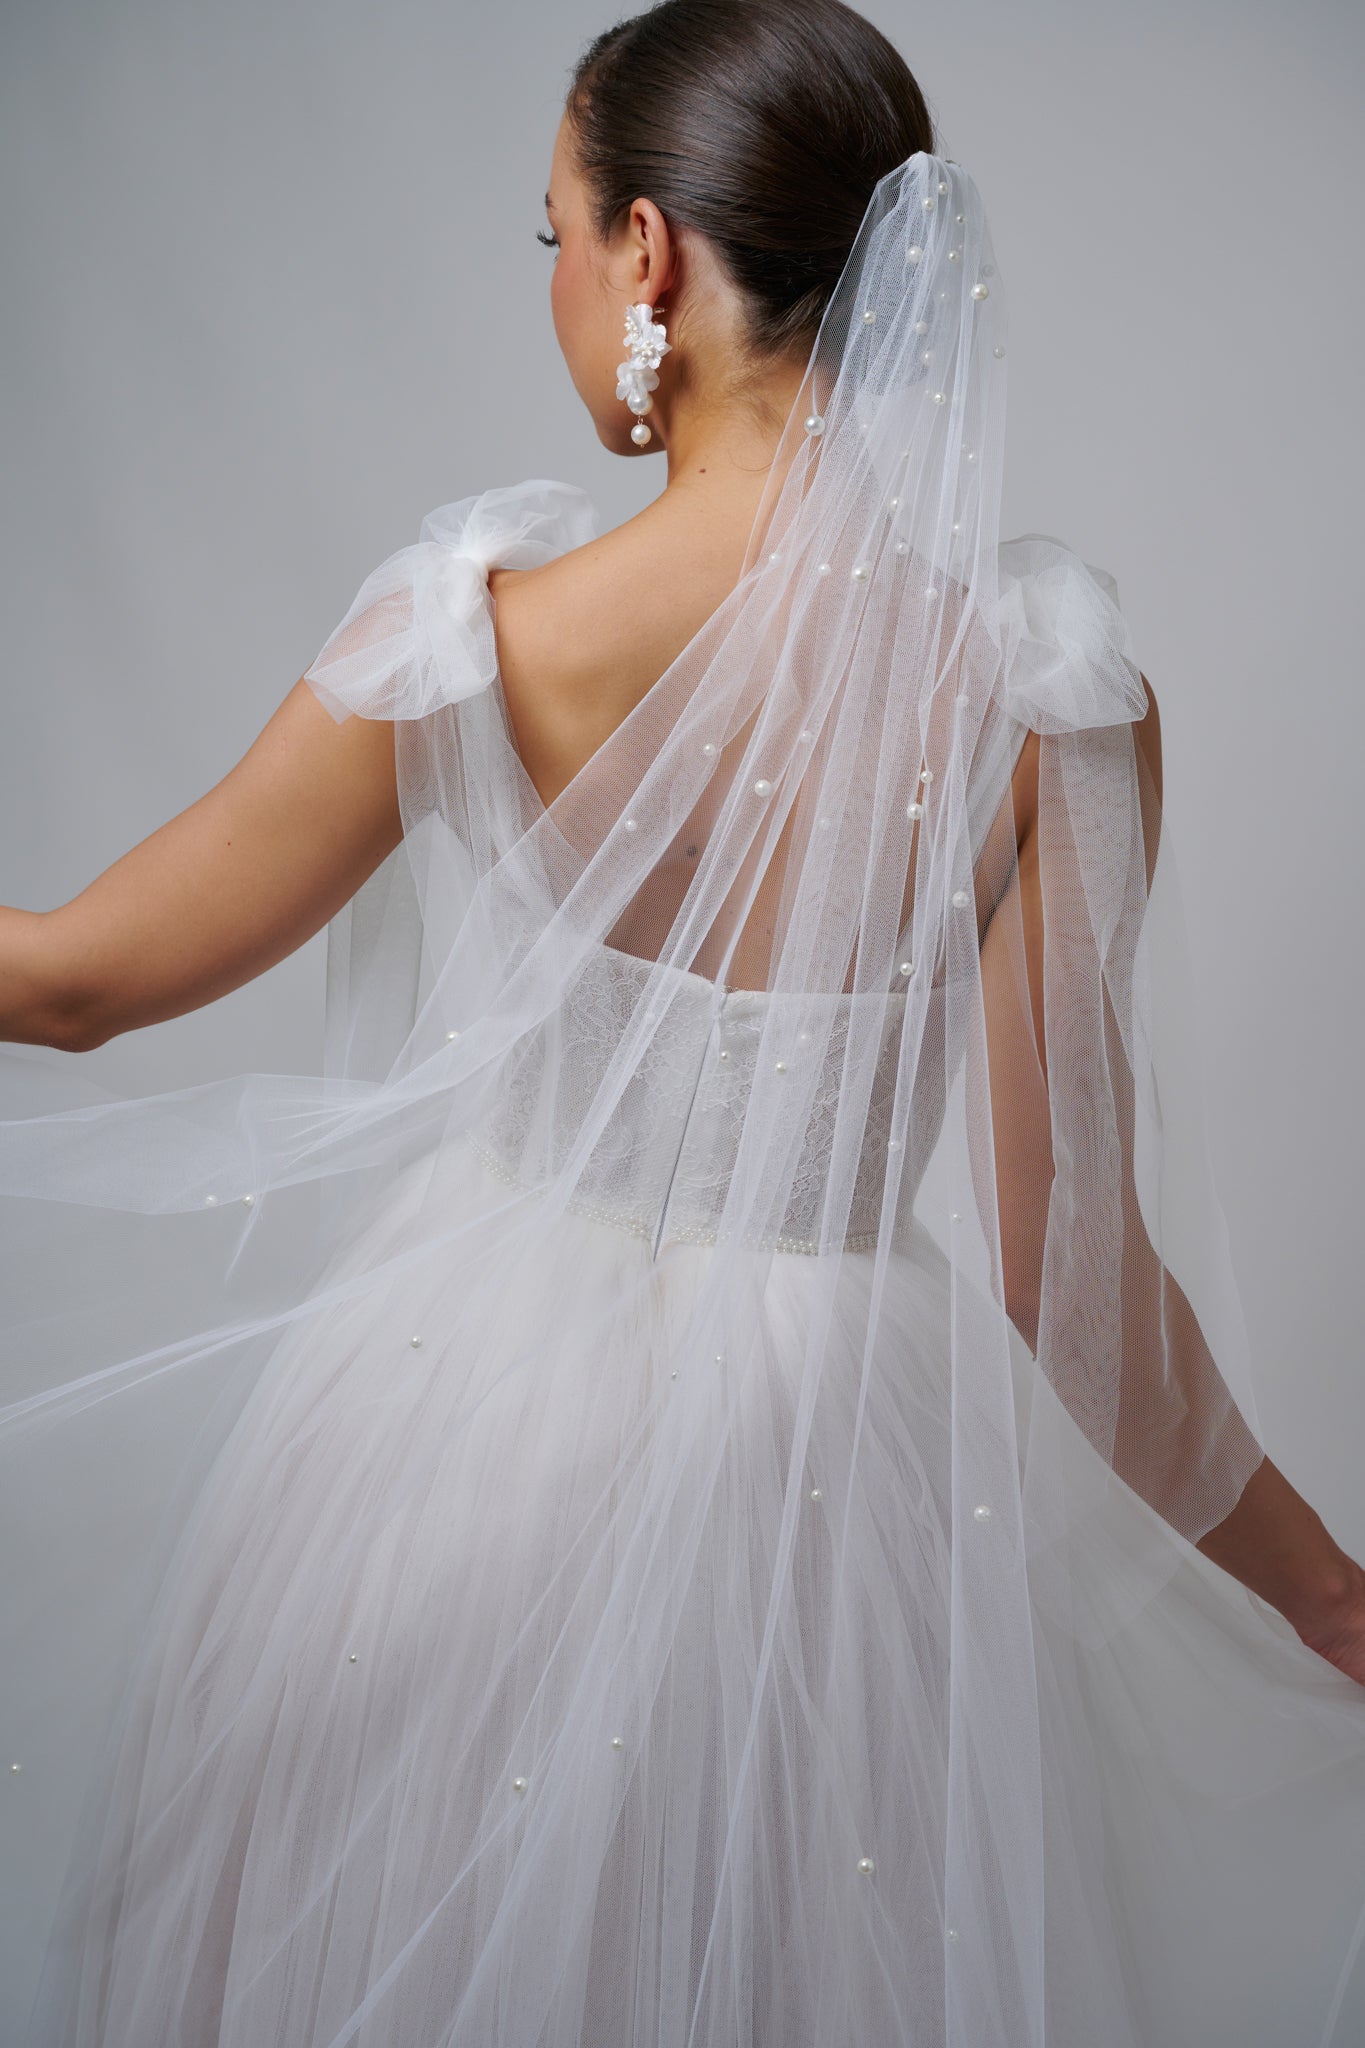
(763, 125)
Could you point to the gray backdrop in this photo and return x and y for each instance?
(270, 292)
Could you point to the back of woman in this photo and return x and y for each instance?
(707, 1513)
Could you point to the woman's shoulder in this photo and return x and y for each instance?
(418, 633)
(583, 638)
(517, 583)
(1067, 648)
(519, 524)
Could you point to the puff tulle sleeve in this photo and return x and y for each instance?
(1067, 648)
(419, 631)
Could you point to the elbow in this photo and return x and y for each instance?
(76, 1028)
(71, 1019)
(47, 1000)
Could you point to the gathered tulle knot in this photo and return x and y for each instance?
(419, 633)
(455, 574)
(453, 643)
(1067, 650)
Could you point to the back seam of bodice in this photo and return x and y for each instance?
(681, 1146)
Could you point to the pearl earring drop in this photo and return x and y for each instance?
(639, 374)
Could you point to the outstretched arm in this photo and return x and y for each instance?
(218, 893)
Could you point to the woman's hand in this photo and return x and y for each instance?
(1279, 1547)
(215, 896)
(1335, 1626)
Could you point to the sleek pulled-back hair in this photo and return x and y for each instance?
(762, 124)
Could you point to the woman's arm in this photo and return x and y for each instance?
(1273, 1542)
(215, 896)
(1278, 1546)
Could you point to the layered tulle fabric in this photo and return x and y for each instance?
(418, 634)
(654, 1499)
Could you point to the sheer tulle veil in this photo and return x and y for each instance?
(795, 863)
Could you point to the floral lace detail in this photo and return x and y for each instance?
(659, 1161)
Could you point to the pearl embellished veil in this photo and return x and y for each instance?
(920, 1269)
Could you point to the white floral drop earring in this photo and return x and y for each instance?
(639, 374)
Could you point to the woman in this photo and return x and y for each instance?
(686, 1495)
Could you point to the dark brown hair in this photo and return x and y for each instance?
(763, 124)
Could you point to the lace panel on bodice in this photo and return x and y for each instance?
(660, 1166)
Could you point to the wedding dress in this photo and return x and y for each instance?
(549, 1534)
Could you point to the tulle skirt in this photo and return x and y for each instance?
(475, 1708)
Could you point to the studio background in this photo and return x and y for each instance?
(271, 292)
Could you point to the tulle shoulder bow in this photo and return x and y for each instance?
(1067, 649)
(419, 631)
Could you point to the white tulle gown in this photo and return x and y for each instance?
(435, 1739)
